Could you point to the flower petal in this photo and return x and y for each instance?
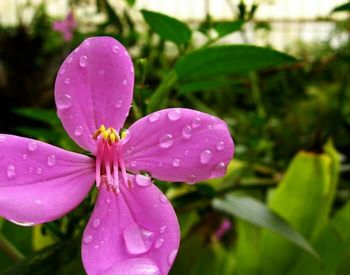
(135, 232)
(40, 182)
(178, 145)
(94, 86)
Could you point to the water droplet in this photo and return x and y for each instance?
(125, 82)
(210, 126)
(187, 152)
(191, 179)
(77, 50)
(172, 256)
(166, 141)
(108, 200)
(115, 49)
(2, 138)
(67, 80)
(38, 202)
(176, 162)
(118, 104)
(142, 180)
(159, 243)
(132, 70)
(153, 117)
(78, 131)
(62, 71)
(187, 132)
(24, 157)
(205, 156)
(39, 171)
(51, 160)
(22, 223)
(174, 115)
(137, 239)
(220, 146)
(96, 223)
(70, 59)
(11, 171)
(219, 170)
(30, 169)
(196, 122)
(88, 239)
(163, 198)
(83, 61)
(64, 101)
(162, 229)
(96, 246)
(32, 146)
(133, 163)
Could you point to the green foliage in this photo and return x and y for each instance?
(168, 28)
(342, 7)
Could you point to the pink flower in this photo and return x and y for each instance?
(65, 26)
(133, 228)
(225, 226)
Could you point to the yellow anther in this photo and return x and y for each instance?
(112, 137)
(124, 134)
(102, 128)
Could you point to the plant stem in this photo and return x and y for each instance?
(12, 252)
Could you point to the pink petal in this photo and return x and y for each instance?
(40, 182)
(135, 232)
(178, 145)
(94, 87)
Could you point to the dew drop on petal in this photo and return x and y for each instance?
(67, 80)
(115, 49)
(220, 146)
(153, 117)
(166, 141)
(118, 104)
(172, 256)
(109, 200)
(64, 101)
(2, 138)
(187, 152)
(137, 239)
(96, 223)
(88, 239)
(83, 61)
(51, 160)
(196, 122)
(133, 163)
(187, 132)
(132, 70)
(39, 171)
(96, 246)
(78, 131)
(125, 82)
(163, 199)
(11, 171)
(219, 170)
(62, 71)
(22, 223)
(176, 162)
(24, 157)
(191, 179)
(70, 60)
(205, 156)
(162, 229)
(142, 180)
(32, 146)
(159, 243)
(174, 115)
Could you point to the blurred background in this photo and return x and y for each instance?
(277, 71)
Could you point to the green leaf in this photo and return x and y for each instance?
(225, 28)
(204, 85)
(255, 212)
(343, 7)
(229, 59)
(43, 115)
(300, 198)
(168, 28)
(332, 245)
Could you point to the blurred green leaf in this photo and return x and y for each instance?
(229, 59)
(43, 115)
(300, 199)
(168, 28)
(41, 240)
(225, 28)
(342, 7)
(255, 212)
(332, 245)
(204, 85)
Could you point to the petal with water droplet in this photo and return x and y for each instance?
(92, 98)
(139, 232)
(181, 141)
(47, 185)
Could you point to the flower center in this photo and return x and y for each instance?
(108, 159)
